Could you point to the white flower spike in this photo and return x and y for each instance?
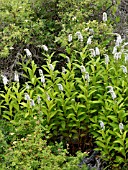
(83, 70)
(80, 36)
(28, 53)
(93, 52)
(51, 67)
(69, 37)
(60, 87)
(124, 69)
(111, 91)
(45, 47)
(89, 40)
(5, 80)
(38, 99)
(104, 17)
(32, 103)
(42, 79)
(16, 76)
(27, 97)
(87, 77)
(121, 126)
(97, 51)
(106, 59)
(102, 125)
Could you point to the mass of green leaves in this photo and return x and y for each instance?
(75, 96)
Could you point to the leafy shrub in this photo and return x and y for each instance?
(89, 92)
(31, 152)
(3, 146)
(19, 27)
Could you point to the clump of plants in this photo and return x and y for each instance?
(84, 102)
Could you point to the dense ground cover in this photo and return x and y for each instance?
(67, 88)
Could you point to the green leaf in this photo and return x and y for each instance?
(71, 115)
(6, 117)
(113, 118)
(63, 124)
(120, 141)
(124, 135)
(100, 144)
(26, 115)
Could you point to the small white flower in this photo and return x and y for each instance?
(124, 69)
(27, 86)
(121, 126)
(14, 142)
(60, 87)
(104, 17)
(11, 48)
(51, 67)
(5, 80)
(83, 70)
(110, 88)
(126, 57)
(80, 36)
(32, 103)
(12, 134)
(111, 91)
(117, 55)
(28, 53)
(48, 97)
(93, 52)
(97, 51)
(68, 59)
(89, 40)
(106, 59)
(27, 97)
(42, 79)
(45, 47)
(40, 72)
(91, 31)
(63, 70)
(16, 76)
(38, 99)
(118, 40)
(74, 18)
(69, 37)
(87, 77)
(102, 125)
(114, 50)
(113, 95)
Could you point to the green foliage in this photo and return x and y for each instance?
(19, 26)
(78, 94)
(31, 152)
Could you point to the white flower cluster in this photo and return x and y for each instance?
(95, 52)
(80, 36)
(69, 37)
(51, 67)
(5, 80)
(124, 69)
(28, 53)
(42, 76)
(45, 47)
(27, 97)
(86, 74)
(16, 76)
(121, 126)
(111, 91)
(60, 87)
(82, 68)
(102, 125)
(106, 59)
(104, 17)
(89, 40)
